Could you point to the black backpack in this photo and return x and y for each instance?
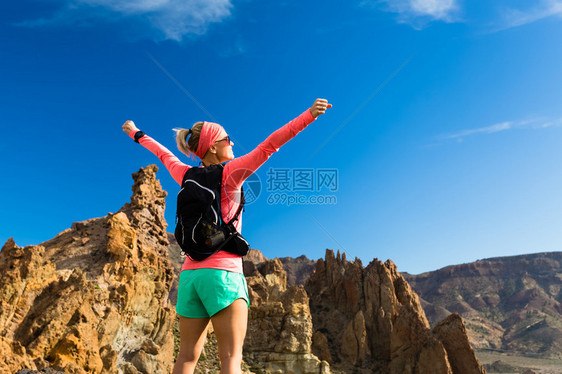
(200, 230)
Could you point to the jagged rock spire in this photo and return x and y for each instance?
(93, 298)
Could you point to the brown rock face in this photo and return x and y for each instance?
(255, 256)
(373, 321)
(280, 325)
(452, 333)
(94, 298)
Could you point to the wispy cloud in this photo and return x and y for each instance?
(482, 130)
(173, 19)
(502, 126)
(493, 16)
(418, 12)
(511, 17)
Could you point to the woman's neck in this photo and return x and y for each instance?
(210, 159)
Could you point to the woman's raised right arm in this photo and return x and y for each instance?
(176, 168)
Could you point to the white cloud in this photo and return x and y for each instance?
(493, 16)
(173, 18)
(503, 126)
(416, 11)
(512, 17)
(437, 9)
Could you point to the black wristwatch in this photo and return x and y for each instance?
(138, 135)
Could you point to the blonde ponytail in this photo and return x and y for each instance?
(189, 146)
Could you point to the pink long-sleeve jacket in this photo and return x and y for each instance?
(234, 174)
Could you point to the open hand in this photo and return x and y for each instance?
(319, 107)
(129, 126)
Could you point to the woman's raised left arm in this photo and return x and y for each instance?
(239, 169)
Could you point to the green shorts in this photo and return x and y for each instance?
(204, 292)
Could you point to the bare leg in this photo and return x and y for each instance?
(230, 329)
(192, 338)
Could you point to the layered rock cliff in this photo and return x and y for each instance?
(94, 298)
(509, 303)
(370, 320)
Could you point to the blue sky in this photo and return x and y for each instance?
(445, 130)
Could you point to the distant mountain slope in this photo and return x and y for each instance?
(508, 303)
(298, 269)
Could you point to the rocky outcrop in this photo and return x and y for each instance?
(280, 325)
(255, 256)
(94, 298)
(452, 333)
(508, 303)
(370, 319)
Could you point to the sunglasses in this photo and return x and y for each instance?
(223, 139)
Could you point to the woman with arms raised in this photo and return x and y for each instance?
(215, 289)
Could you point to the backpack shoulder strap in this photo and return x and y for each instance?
(208, 176)
(240, 207)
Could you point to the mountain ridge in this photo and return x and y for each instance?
(510, 303)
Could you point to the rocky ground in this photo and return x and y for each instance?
(509, 363)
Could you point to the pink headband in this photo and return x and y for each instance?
(210, 133)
